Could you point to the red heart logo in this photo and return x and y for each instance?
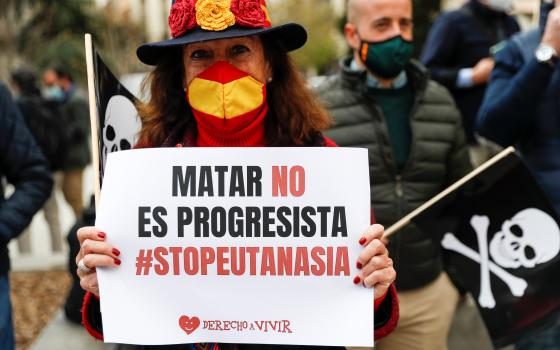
(189, 324)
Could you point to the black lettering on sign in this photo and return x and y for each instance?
(182, 181)
(159, 230)
(143, 221)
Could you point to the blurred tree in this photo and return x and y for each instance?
(52, 18)
(324, 42)
(9, 24)
(51, 32)
(119, 38)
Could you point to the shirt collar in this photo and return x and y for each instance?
(372, 82)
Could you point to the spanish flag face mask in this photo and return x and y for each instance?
(229, 105)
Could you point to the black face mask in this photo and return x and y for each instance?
(386, 58)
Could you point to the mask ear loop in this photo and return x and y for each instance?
(363, 50)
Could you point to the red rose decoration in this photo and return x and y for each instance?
(248, 13)
(182, 17)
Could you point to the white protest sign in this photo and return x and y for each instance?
(236, 245)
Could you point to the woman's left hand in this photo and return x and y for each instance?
(376, 267)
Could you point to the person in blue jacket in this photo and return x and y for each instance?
(522, 108)
(23, 165)
(457, 53)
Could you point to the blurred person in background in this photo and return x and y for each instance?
(384, 100)
(60, 86)
(457, 52)
(43, 119)
(522, 108)
(22, 165)
(75, 297)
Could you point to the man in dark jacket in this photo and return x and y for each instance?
(41, 118)
(384, 101)
(75, 109)
(457, 52)
(522, 108)
(23, 165)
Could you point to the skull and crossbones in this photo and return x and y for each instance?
(121, 125)
(529, 238)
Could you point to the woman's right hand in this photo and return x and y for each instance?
(94, 252)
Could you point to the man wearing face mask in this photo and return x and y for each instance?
(60, 87)
(383, 100)
(457, 52)
(52, 90)
(522, 108)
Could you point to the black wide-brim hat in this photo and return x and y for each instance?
(290, 36)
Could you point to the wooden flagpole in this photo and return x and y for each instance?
(93, 115)
(408, 218)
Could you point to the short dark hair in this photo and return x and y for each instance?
(62, 73)
(26, 80)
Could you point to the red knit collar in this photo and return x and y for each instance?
(252, 135)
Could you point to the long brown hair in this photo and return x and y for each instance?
(295, 115)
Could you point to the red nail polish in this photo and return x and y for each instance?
(102, 235)
(117, 261)
(362, 241)
(357, 280)
(359, 265)
(116, 252)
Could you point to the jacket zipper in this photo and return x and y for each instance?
(398, 177)
(412, 140)
(399, 187)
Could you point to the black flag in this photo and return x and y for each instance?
(118, 123)
(501, 240)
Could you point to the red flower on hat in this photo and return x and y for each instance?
(182, 17)
(249, 13)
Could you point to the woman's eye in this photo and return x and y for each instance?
(200, 54)
(239, 49)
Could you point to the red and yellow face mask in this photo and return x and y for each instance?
(226, 99)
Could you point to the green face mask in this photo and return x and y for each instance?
(386, 58)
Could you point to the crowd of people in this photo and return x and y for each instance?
(57, 115)
(479, 85)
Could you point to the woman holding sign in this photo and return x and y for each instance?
(226, 80)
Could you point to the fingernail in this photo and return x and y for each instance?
(116, 252)
(102, 235)
(117, 261)
(357, 280)
(362, 241)
(359, 265)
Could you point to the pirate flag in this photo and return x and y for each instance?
(115, 120)
(501, 240)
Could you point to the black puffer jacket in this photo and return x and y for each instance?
(23, 165)
(438, 157)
